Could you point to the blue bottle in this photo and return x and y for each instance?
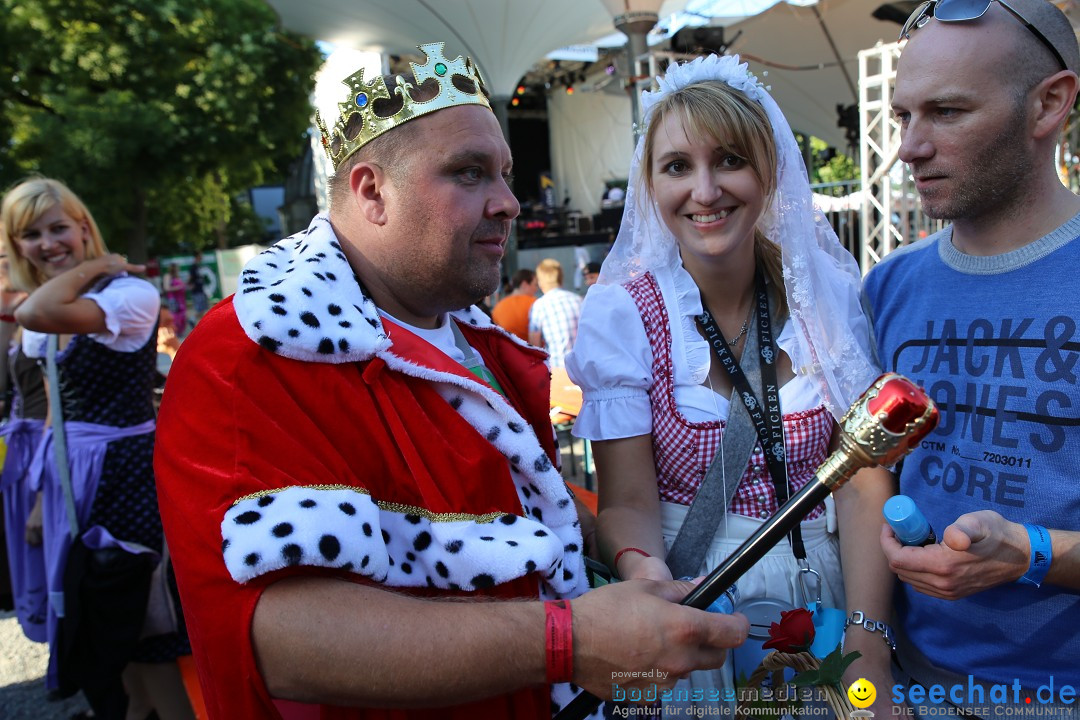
(908, 523)
(725, 604)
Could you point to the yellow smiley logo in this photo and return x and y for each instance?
(862, 693)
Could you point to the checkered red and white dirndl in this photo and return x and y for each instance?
(683, 450)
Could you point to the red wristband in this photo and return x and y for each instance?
(619, 554)
(7, 318)
(559, 641)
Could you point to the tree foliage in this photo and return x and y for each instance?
(825, 163)
(830, 166)
(156, 112)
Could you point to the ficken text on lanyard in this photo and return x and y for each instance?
(767, 417)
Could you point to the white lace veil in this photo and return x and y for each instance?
(821, 278)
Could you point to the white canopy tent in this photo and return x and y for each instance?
(789, 48)
(503, 37)
(775, 42)
(590, 132)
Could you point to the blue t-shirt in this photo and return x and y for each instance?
(995, 343)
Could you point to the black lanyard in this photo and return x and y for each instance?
(767, 418)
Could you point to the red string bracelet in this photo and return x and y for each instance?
(559, 641)
(7, 318)
(619, 554)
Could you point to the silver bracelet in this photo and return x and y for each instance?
(858, 617)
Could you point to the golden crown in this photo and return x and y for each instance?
(358, 124)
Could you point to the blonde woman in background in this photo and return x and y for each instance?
(105, 320)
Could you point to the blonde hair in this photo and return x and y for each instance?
(715, 110)
(23, 205)
(549, 273)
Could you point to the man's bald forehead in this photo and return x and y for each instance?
(992, 38)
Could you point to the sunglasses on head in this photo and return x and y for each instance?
(960, 10)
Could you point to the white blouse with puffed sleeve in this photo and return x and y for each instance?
(612, 361)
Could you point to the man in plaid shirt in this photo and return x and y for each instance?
(553, 319)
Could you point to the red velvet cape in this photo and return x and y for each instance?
(237, 419)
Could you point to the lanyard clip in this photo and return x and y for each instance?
(805, 571)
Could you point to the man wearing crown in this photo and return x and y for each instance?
(374, 458)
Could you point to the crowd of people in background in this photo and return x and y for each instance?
(554, 324)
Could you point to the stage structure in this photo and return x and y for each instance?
(891, 214)
(879, 147)
(635, 18)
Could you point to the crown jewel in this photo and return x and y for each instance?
(358, 124)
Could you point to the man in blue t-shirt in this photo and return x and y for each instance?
(984, 316)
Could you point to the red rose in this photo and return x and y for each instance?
(794, 633)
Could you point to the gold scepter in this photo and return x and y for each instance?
(880, 428)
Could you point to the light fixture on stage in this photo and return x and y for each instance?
(897, 12)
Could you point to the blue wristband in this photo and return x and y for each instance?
(1041, 555)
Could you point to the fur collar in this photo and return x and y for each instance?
(299, 298)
